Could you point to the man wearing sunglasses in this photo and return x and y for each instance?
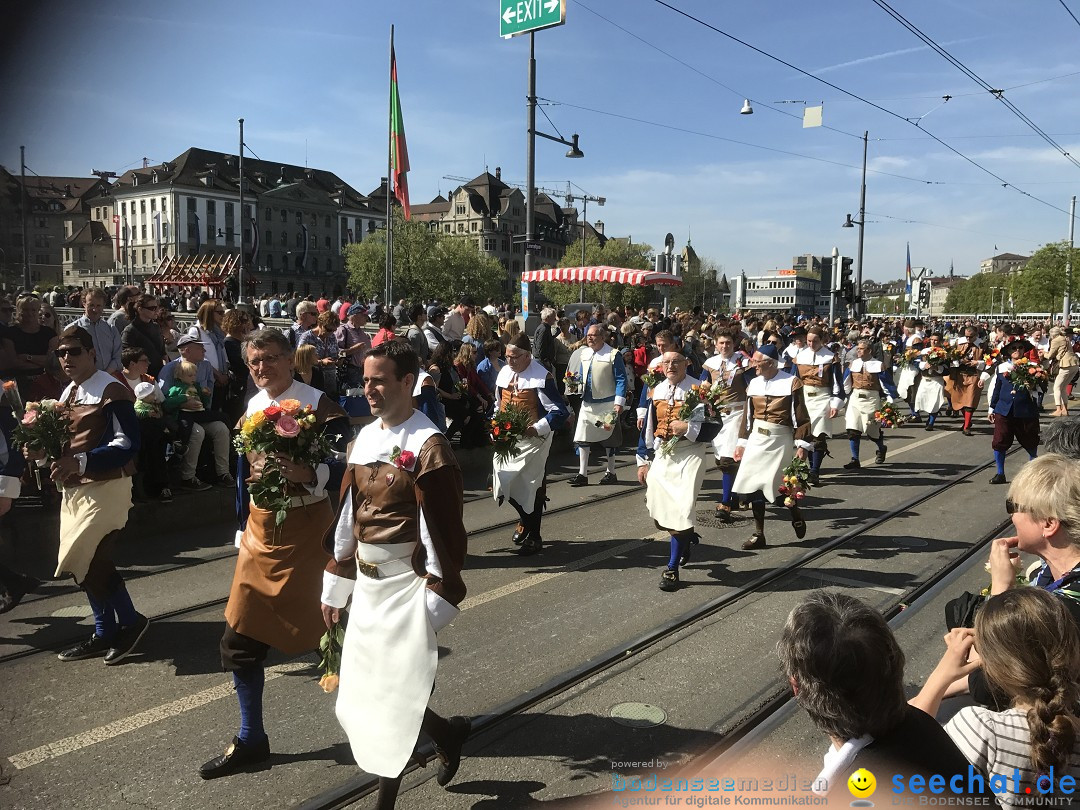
(95, 472)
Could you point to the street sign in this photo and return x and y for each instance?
(522, 16)
(533, 247)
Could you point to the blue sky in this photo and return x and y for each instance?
(101, 86)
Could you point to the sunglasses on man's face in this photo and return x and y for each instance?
(74, 351)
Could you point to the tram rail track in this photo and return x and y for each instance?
(358, 787)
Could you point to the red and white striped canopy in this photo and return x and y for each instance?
(615, 275)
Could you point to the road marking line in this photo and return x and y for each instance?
(536, 579)
(70, 745)
(816, 574)
(913, 445)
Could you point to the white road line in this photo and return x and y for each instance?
(913, 445)
(536, 579)
(815, 574)
(70, 745)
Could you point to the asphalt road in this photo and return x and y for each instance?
(83, 735)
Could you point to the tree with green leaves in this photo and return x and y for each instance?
(427, 264)
(1038, 287)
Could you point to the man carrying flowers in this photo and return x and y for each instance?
(398, 547)
(730, 370)
(673, 476)
(94, 468)
(1014, 410)
(865, 380)
(283, 515)
(526, 384)
(776, 423)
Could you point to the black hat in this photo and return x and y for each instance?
(1022, 344)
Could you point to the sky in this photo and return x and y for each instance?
(653, 94)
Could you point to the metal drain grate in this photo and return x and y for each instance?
(73, 612)
(637, 715)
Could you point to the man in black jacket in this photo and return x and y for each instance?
(544, 340)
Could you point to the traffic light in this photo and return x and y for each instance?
(847, 286)
(924, 292)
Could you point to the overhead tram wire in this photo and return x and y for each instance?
(906, 221)
(705, 75)
(997, 93)
(1069, 10)
(1004, 183)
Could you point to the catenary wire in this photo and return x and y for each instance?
(1004, 183)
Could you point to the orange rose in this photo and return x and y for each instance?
(290, 407)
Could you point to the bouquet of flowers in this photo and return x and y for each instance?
(607, 421)
(695, 398)
(1026, 375)
(330, 646)
(288, 429)
(712, 396)
(650, 378)
(937, 356)
(889, 417)
(910, 358)
(796, 481)
(462, 387)
(44, 425)
(508, 426)
(572, 381)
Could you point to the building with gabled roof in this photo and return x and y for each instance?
(297, 219)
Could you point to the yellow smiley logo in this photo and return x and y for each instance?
(862, 784)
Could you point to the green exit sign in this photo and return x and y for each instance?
(522, 16)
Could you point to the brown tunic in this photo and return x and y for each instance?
(962, 384)
(735, 387)
(865, 380)
(387, 502)
(88, 424)
(787, 410)
(525, 398)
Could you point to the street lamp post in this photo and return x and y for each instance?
(530, 156)
(857, 306)
(585, 200)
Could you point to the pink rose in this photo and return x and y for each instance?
(287, 427)
(29, 417)
(405, 459)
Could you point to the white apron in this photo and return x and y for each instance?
(817, 406)
(769, 449)
(586, 431)
(88, 512)
(930, 398)
(520, 477)
(383, 705)
(908, 375)
(728, 438)
(862, 404)
(673, 484)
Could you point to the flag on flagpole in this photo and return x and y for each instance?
(157, 232)
(399, 154)
(254, 241)
(907, 273)
(116, 230)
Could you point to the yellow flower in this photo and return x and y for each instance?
(256, 419)
(329, 682)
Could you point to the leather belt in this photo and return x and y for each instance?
(305, 500)
(379, 570)
(866, 392)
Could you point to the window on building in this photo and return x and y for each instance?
(459, 210)
(284, 215)
(314, 265)
(284, 239)
(472, 227)
(142, 232)
(326, 221)
(153, 205)
(326, 241)
(123, 209)
(447, 227)
(267, 215)
(269, 238)
(461, 227)
(300, 240)
(270, 262)
(144, 257)
(505, 245)
(142, 206)
(163, 205)
(299, 218)
(490, 244)
(164, 231)
(190, 203)
(97, 214)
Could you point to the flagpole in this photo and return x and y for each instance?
(240, 217)
(390, 179)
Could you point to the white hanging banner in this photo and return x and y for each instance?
(811, 116)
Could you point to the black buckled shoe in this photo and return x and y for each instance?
(237, 756)
(814, 479)
(853, 464)
(531, 544)
(609, 478)
(880, 457)
(929, 426)
(998, 478)
(91, 648)
(723, 513)
(518, 536)
(800, 528)
(450, 757)
(669, 580)
(126, 641)
(755, 542)
(579, 480)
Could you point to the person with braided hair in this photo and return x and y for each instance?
(1029, 646)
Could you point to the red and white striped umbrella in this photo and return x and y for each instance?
(615, 275)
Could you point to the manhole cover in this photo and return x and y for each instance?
(73, 612)
(638, 715)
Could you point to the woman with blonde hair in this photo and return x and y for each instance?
(305, 367)
(1063, 365)
(509, 331)
(207, 330)
(1029, 647)
(477, 331)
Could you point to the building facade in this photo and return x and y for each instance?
(1003, 263)
(55, 208)
(296, 220)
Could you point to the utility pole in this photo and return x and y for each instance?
(240, 216)
(530, 159)
(833, 276)
(859, 308)
(1068, 263)
(22, 215)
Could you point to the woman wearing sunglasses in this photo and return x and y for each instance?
(33, 343)
(142, 331)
